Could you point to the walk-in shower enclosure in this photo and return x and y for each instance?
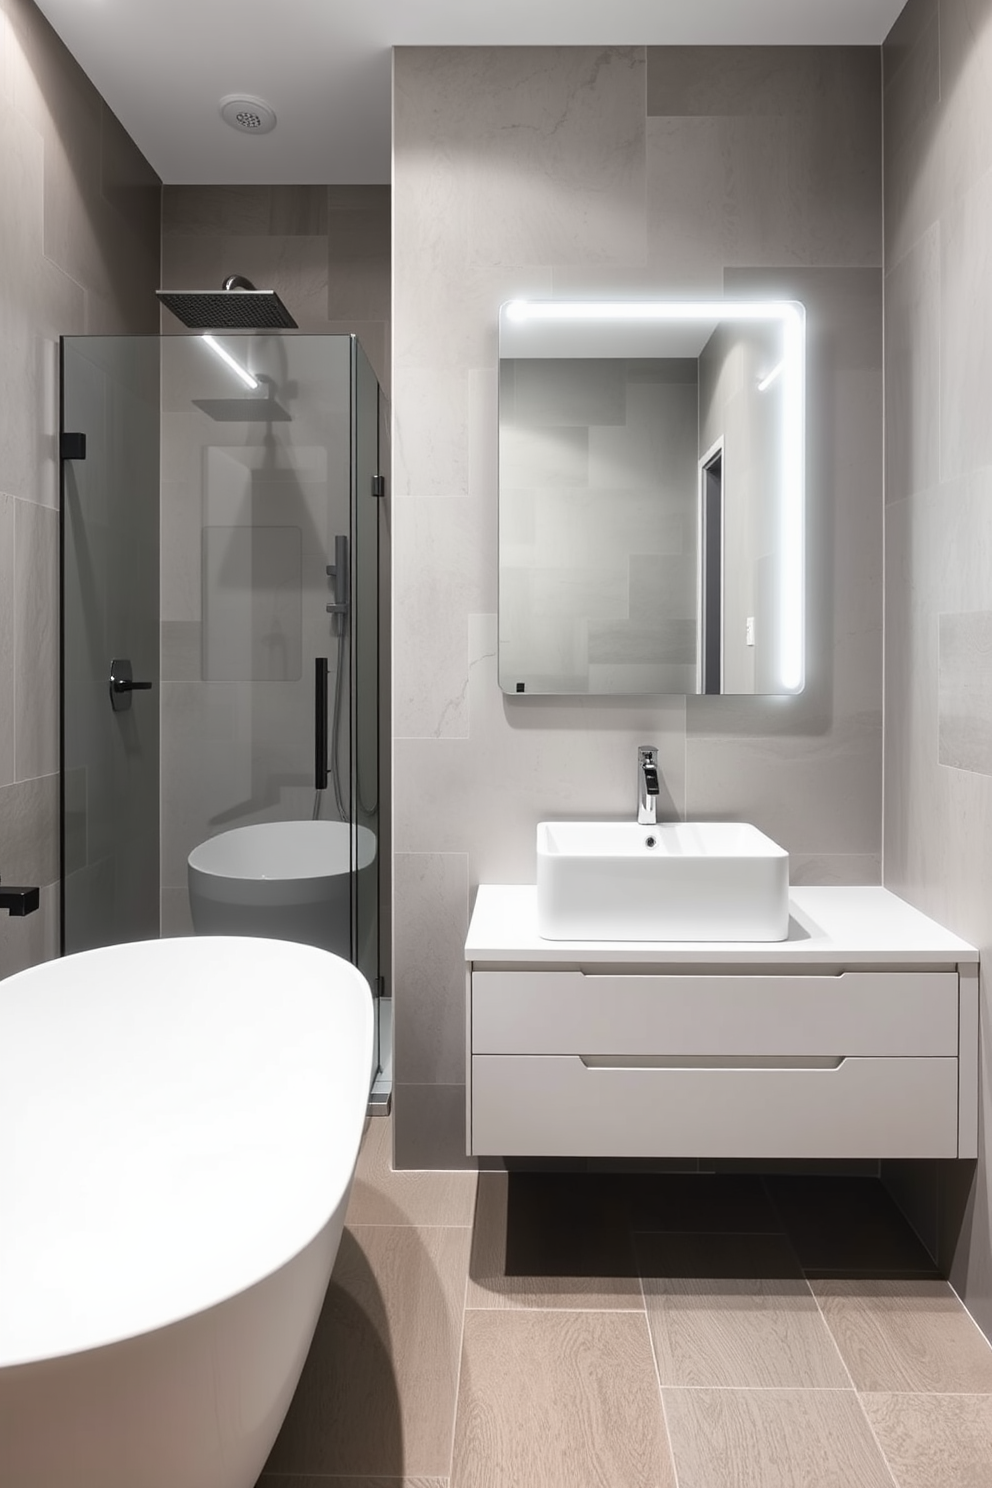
(200, 515)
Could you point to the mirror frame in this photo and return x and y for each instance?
(515, 316)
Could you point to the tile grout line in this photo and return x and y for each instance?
(461, 1339)
(857, 1394)
(657, 1375)
(968, 1312)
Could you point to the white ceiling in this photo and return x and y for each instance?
(324, 65)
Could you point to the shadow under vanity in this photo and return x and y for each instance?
(855, 1037)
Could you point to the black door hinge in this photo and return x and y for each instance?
(378, 485)
(72, 446)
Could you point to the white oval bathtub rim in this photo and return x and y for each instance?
(250, 1171)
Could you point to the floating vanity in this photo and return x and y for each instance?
(857, 1036)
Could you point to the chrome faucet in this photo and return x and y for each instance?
(648, 785)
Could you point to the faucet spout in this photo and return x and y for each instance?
(648, 785)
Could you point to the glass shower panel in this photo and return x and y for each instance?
(365, 688)
(222, 536)
(256, 487)
(110, 603)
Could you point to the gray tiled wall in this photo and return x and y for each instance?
(79, 254)
(938, 535)
(325, 249)
(539, 171)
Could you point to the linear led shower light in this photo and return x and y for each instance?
(235, 366)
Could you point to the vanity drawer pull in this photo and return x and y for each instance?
(711, 1062)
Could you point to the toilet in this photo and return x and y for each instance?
(282, 880)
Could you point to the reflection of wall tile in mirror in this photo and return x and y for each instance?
(531, 457)
(965, 691)
(536, 391)
(655, 448)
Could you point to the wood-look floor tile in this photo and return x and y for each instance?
(523, 1253)
(559, 1400)
(382, 1196)
(772, 1439)
(931, 1440)
(377, 1394)
(847, 1225)
(701, 1202)
(745, 1318)
(906, 1336)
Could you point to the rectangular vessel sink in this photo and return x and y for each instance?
(675, 881)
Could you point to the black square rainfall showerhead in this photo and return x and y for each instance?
(228, 309)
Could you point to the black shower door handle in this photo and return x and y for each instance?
(122, 684)
(320, 723)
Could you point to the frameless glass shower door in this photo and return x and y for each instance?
(257, 454)
(110, 614)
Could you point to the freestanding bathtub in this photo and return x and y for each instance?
(179, 1125)
(290, 880)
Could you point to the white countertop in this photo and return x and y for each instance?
(863, 926)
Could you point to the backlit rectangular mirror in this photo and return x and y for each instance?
(651, 496)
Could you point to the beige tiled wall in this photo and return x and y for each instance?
(938, 535)
(79, 253)
(540, 171)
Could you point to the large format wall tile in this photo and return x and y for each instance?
(7, 612)
(29, 830)
(79, 252)
(429, 1127)
(36, 642)
(525, 171)
(561, 132)
(966, 340)
(964, 705)
(912, 342)
(432, 904)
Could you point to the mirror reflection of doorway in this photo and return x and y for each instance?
(711, 571)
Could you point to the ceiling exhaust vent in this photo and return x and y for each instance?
(246, 114)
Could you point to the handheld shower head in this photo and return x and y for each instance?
(237, 306)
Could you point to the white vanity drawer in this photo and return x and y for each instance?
(885, 1013)
(557, 1106)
